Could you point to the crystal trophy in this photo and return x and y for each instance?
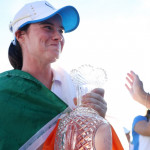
(83, 128)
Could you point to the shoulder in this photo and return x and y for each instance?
(13, 73)
(16, 76)
(139, 118)
(6, 76)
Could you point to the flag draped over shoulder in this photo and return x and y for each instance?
(26, 105)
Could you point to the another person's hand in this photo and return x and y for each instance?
(136, 87)
(95, 100)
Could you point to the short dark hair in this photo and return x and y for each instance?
(15, 52)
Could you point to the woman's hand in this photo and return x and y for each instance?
(95, 100)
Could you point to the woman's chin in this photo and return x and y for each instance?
(55, 58)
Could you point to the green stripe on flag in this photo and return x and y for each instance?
(26, 105)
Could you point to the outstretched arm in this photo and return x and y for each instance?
(136, 89)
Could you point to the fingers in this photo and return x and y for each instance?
(101, 109)
(131, 77)
(95, 100)
(96, 96)
(127, 87)
(129, 81)
(135, 85)
(133, 74)
(99, 91)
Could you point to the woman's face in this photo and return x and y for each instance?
(44, 41)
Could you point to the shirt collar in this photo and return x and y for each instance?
(57, 74)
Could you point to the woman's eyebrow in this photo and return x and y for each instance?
(46, 22)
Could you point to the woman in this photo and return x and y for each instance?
(33, 95)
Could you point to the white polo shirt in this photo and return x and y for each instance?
(63, 86)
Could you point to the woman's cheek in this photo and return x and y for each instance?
(62, 44)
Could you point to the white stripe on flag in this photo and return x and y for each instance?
(39, 138)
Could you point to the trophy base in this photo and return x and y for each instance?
(77, 130)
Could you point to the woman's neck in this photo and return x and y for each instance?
(43, 74)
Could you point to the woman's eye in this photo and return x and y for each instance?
(61, 31)
(48, 27)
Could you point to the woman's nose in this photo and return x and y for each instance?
(57, 35)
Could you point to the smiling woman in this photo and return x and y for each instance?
(35, 94)
(34, 91)
(46, 44)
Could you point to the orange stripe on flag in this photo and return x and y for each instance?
(116, 144)
(49, 143)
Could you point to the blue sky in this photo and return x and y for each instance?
(113, 34)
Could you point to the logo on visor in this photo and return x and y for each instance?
(47, 4)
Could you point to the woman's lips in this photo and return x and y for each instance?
(57, 46)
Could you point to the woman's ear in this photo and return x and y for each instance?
(20, 35)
